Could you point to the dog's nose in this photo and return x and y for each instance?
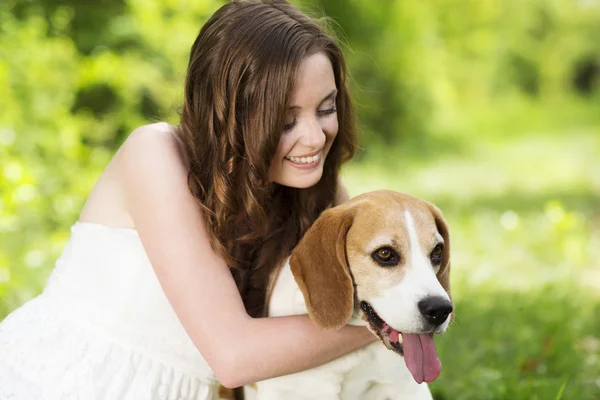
(435, 309)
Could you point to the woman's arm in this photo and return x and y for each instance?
(198, 283)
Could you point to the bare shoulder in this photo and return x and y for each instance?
(152, 146)
(151, 158)
(153, 176)
(341, 194)
(151, 163)
(155, 144)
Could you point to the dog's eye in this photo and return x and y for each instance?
(436, 254)
(385, 256)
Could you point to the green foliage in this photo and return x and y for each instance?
(68, 101)
(487, 108)
(422, 65)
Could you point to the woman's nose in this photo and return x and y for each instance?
(313, 135)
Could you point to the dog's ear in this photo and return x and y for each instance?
(320, 267)
(443, 274)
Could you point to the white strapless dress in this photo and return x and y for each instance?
(102, 329)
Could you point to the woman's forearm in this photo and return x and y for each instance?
(270, 347)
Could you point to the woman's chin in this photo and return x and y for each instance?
(301, 180)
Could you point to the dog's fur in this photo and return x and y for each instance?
(333, 271)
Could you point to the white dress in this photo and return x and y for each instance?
(101, 330)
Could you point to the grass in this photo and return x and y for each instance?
(521, 345)
(523, 207)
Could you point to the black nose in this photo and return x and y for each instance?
(435, 309)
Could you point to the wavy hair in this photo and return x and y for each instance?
(240, 76)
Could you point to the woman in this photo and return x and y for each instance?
(160, 290)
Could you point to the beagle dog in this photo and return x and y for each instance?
(380, 260)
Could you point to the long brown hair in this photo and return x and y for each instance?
(240, 75)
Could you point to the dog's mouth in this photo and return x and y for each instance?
(418, 349)
(390, 337)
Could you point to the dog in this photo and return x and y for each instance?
(381, 260)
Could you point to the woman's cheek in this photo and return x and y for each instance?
(331, 128)
(284, 145)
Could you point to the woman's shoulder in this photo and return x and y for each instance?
(156, 143)
(150, 136)
(150, 153)
(341, 194)
(153, 180)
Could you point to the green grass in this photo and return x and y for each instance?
(523, 204)
(521, 345)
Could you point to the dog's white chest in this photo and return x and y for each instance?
(286, 297)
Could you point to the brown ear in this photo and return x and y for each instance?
(320, 268)
(443, 274)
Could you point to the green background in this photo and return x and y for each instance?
(490, 109)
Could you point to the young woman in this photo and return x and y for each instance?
(160, 291)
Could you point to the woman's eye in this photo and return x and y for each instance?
(288, 127)
(385, 256)
(436, 254)
(328, 111)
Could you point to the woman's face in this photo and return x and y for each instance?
(311, 125)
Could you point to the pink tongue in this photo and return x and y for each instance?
(421, 357)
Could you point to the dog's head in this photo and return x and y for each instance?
(388, 254)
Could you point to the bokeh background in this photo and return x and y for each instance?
(488, 108)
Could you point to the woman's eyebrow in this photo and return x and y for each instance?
(329, 96)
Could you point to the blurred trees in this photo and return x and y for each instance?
(76, 77)
(420, 65)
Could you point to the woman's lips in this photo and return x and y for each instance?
(304, 162)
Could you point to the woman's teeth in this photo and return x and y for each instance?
(304, 160)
